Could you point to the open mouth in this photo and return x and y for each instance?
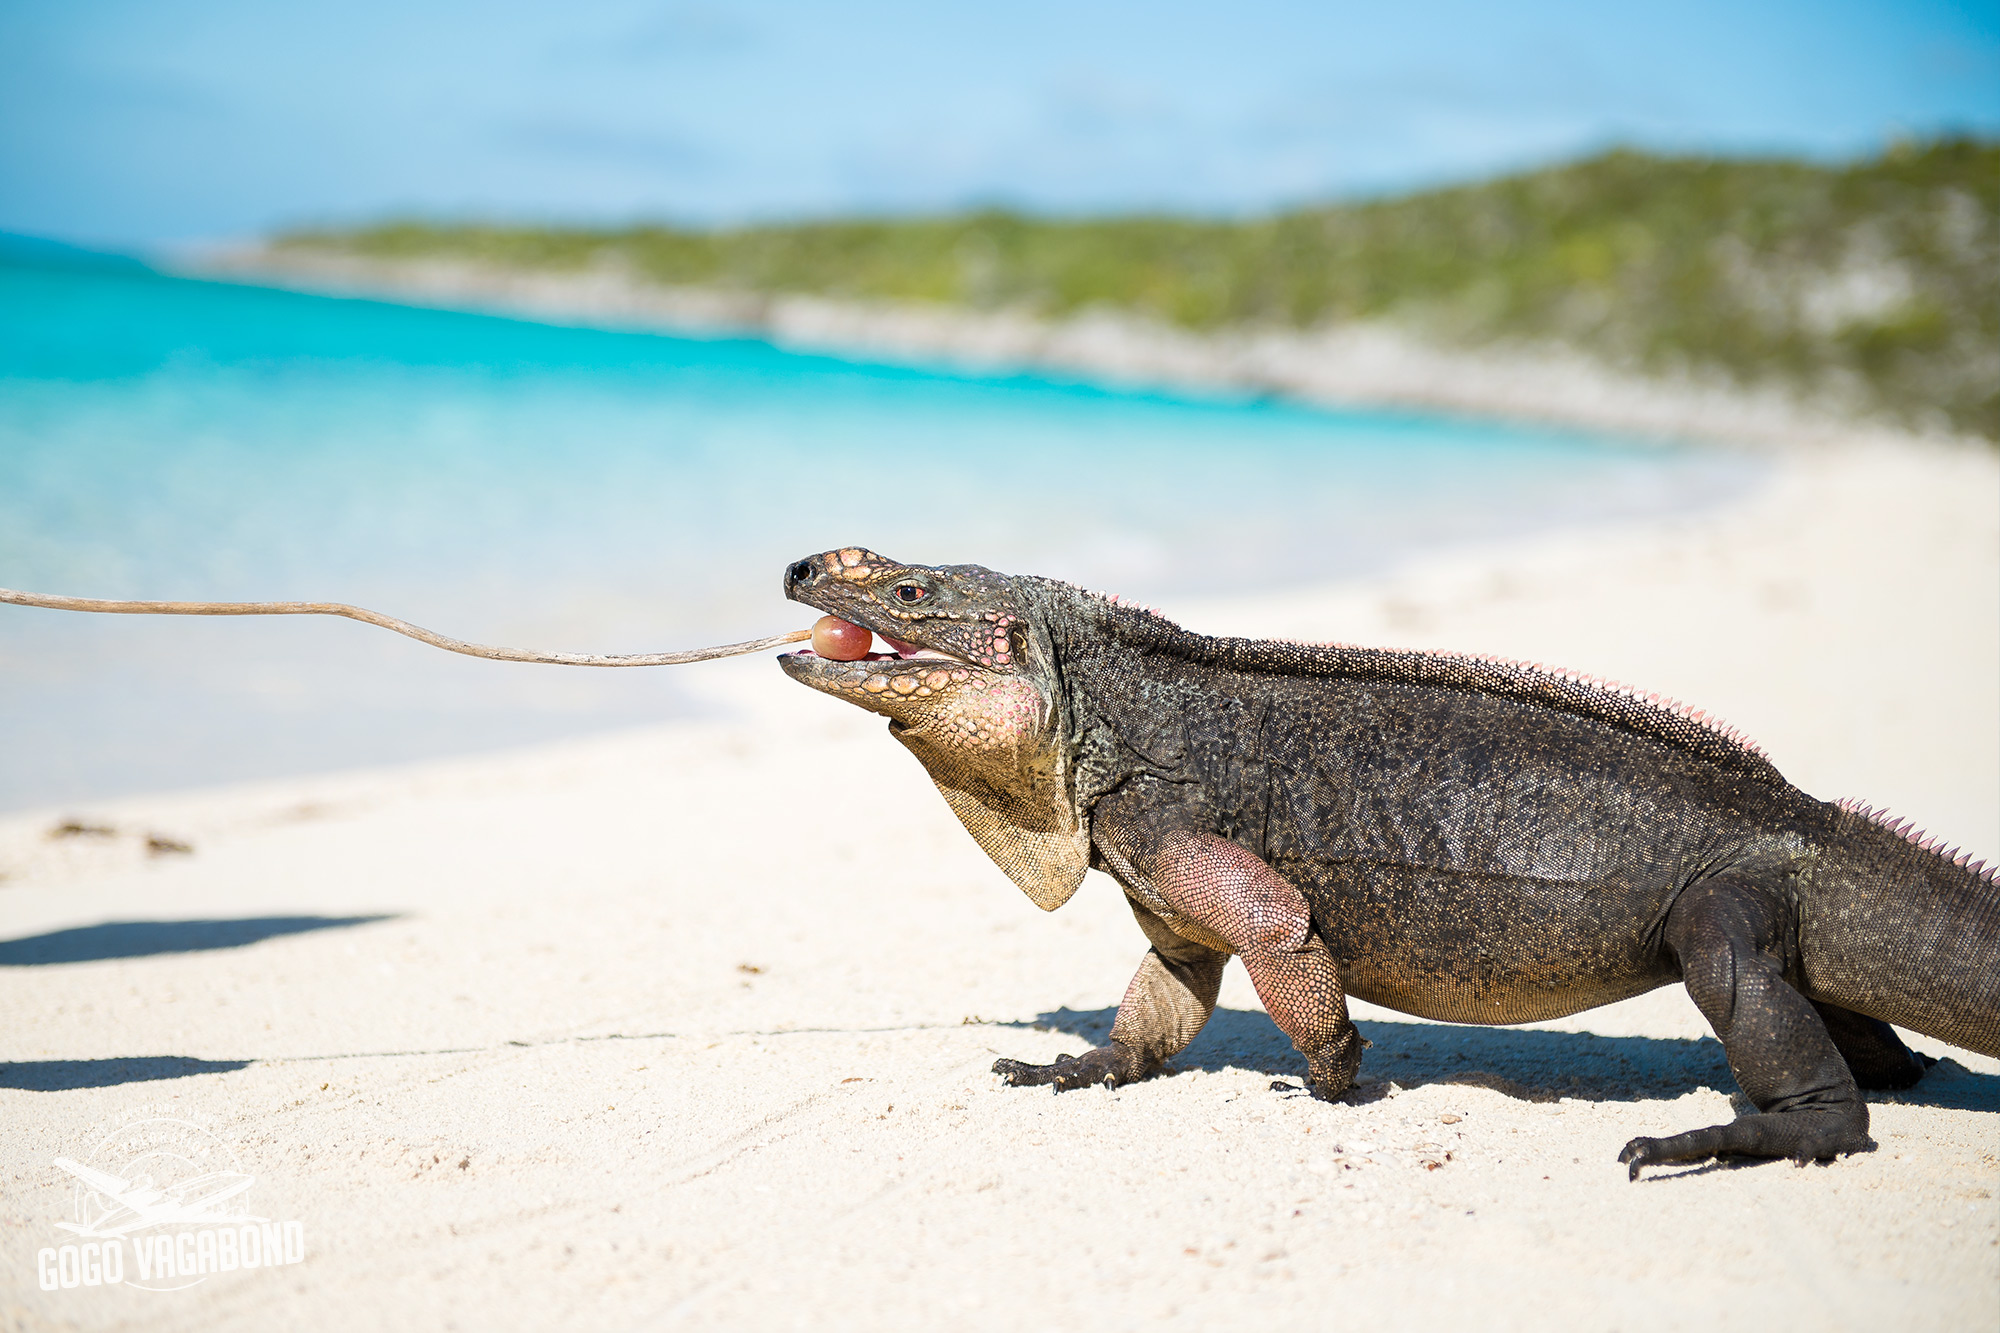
(833, 642)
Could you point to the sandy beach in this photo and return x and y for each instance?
(691, 1026)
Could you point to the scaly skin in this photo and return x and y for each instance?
(1458, 838)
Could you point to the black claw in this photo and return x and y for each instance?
(1638, 1153)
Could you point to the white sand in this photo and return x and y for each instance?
(549, 1089)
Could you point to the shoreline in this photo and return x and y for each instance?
(1356, 365)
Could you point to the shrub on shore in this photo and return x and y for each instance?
(1874, 285)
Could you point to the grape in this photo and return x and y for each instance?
(840, 641)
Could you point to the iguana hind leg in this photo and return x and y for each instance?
(1169, 999)
(1727, 934)
(1875, 1055)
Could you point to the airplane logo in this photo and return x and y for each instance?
(140, 1204)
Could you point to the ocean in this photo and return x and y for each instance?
(552, 487)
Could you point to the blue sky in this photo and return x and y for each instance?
(138, 122)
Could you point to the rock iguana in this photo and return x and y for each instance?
(1459, 838)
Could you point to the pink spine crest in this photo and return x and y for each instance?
(1612, 689)
(1907, 830)
(1123, 603)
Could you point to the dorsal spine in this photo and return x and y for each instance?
(1907, 830)
(1647, 714)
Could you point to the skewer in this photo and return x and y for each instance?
(53, 602)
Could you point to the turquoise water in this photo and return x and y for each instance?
(599, 491)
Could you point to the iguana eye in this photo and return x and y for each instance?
(909, 592)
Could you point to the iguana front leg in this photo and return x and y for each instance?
(1210, 892)
(1170, 997)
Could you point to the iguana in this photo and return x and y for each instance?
(1461, 838)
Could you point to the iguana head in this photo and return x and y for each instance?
(970, 688)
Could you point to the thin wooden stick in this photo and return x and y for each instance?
(417, 632)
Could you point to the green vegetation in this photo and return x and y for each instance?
(1874, 286)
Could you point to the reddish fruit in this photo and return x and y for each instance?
(834, 638)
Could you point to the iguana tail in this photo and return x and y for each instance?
(1893, 927)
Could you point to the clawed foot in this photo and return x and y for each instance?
(1654, 1152)
(1108, 1065)
(1802, 1136)
(1330, 1070)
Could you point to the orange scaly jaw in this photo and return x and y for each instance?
(952, 671)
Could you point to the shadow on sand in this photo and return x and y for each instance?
(69, 1075)
(1529, 1065)
(143, 939)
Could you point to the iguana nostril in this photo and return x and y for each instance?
(800, 572)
